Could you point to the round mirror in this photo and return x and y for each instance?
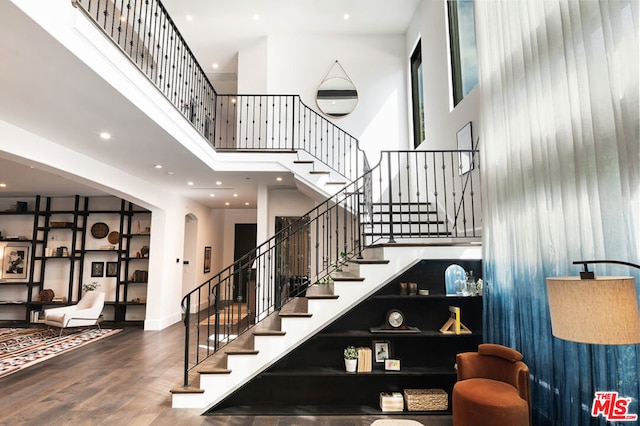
(337, 97)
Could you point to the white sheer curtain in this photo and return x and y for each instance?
(561, 182)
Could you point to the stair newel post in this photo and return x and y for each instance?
(359, 232)
(390, 195)
(444, 190)
(293, 122)
(187, 311)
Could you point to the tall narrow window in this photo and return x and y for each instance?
(462, 38)
(417, 96)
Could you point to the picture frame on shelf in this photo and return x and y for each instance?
(392, 364)
(381, 350)
(14, 262)
(97, 269)
(112, 269)
(465, 146)
(207, 259)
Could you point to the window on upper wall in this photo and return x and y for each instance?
(462, 39)
(417, 100)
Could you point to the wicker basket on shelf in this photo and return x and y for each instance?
(426, 399)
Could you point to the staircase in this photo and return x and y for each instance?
(419, 198)
(282, 331)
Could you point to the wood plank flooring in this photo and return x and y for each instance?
(125, 380)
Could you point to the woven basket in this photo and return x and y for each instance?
(426, 399)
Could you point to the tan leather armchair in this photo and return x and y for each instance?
(493, 388)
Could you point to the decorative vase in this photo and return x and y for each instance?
(350, 365)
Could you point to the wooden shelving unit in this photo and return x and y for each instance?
(56, 232)
(312, 378)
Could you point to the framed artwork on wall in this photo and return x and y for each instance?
(97, 269)
(14, 262)
(112, 269)
(207, 259)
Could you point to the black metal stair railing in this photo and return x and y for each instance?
(147, 35)
(284, 123)
(408, 194)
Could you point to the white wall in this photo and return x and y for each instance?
(287, 202)
(441, 121)
(375, 64)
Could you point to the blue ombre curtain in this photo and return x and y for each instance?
(561, 182)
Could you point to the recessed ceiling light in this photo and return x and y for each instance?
(256, 17)
(105, 135)
(246, 204)
(158, 166)
(190, 183)
(3, 185)
(171, 173)
(279, 179)
(189, 18)
(226, 204)
(346, 16)
(235, 195)
(212, 195)
(218, 183)
(215, 66)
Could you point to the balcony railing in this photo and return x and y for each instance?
(147, 35)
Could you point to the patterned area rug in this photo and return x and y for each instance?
(23, 347)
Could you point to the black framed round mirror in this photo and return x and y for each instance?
(337, 97)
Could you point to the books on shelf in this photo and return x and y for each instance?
(364, 360)
(37, 316)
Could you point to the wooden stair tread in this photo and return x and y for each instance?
(241, 352)
(322, 296)
(335, 183)
(408, 223)
(269, 333)
(347, 278)
(257, 151)
(183, 390)
(408, 234)
(319, 172)
(370, 261)
(303, 162)
(296, 314)
(398, 203)
(214, 370)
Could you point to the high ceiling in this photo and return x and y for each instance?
(46, 89)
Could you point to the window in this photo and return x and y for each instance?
(417, 96)
(462, 38)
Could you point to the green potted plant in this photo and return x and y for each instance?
(350, 358)
(86, 287)
(341, 262)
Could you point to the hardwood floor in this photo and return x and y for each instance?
(125, 380)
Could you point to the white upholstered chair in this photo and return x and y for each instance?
(85, 313)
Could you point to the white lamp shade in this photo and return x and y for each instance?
(602, 311)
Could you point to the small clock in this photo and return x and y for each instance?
(395, 319)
